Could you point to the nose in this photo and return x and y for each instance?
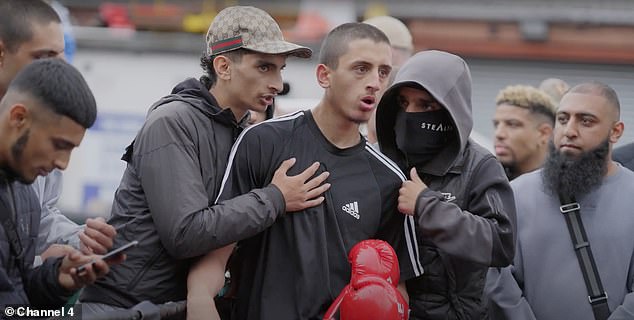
(570, 129)
(277, 84)
(375, 83)
(61, 162)
(500, 132)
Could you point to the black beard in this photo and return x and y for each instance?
(575, 176)
(17, 149)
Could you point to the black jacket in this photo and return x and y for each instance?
(23, 284)
(466, 217)
(297, 267)
(166, 199)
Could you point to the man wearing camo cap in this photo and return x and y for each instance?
(175, 165)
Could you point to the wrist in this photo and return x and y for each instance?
(277, 198)
(66, 284)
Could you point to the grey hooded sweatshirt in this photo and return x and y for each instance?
(466, 217)
(166, 199)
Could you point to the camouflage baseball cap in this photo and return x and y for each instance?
(250, 28)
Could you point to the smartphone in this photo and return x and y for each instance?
(110, 255)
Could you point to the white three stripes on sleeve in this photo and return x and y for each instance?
(408, 224)
(237, 143)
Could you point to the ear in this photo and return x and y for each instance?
(616, 132)
(19, 116)
(222, 65)
(323, 75)
(545, 132)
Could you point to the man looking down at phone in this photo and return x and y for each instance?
(43, 117)
(29, 31)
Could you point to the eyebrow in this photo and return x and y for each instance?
(367, 63)
(262, 62)
(579, 114)
(65, 144)
(45, 51)
(429, 101)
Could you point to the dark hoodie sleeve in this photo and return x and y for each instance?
(484, 233)
(187, 222)
(42, 285)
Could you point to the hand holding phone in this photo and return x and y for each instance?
(112, 254)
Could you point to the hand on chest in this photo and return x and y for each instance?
(355, 198)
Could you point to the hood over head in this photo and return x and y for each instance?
(448, 79)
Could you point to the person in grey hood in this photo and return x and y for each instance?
(458, 194)
(167, 196)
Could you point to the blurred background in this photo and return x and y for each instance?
(134, 52)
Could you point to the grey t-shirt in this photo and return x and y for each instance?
(545, 281)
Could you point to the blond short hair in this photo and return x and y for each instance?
(533, 99)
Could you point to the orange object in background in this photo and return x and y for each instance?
(157, 16)
(311, 26)
(115, 15)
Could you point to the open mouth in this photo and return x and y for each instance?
(368, 103)
(268, 100)
(368, 100)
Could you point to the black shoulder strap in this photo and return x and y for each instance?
(597, 296)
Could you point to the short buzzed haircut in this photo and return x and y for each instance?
(530, 98)
(600, 89)
(17, 17)
(59, 87)
(336, 43)
(554, 87)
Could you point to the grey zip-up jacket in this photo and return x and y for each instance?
(55, 227)
(466, 217)
(166, 199)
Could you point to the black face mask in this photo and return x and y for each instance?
(422, 135)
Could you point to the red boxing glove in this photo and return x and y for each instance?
(374, 257)
(369, 298)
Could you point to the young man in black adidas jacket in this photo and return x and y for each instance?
(298, 266)
(458, 193)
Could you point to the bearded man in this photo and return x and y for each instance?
(546, 280)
